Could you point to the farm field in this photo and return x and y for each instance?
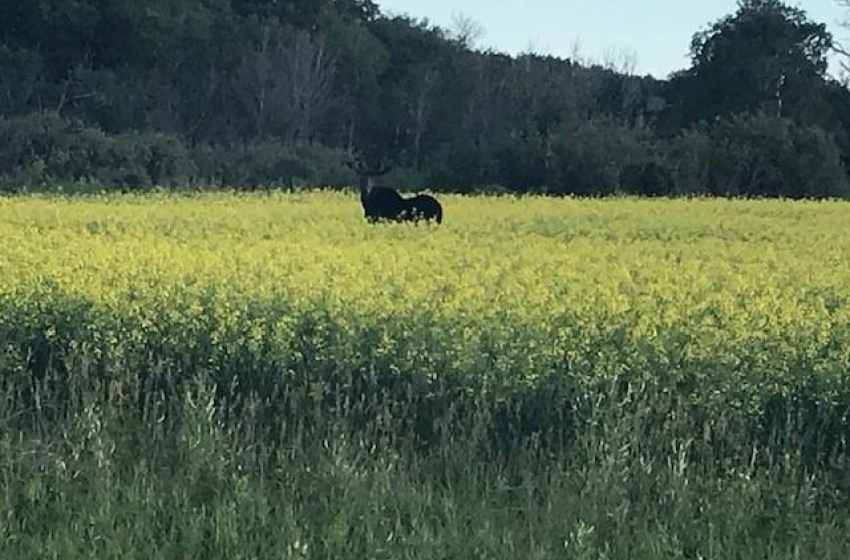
(267, 375)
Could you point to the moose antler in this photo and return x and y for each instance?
(382, 169)
(358, 163)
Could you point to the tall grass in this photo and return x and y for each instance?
(267, 376)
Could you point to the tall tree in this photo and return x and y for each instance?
(766, 56)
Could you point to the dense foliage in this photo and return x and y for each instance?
(180, 80)
(216, 375)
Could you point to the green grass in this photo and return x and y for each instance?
(223, 376)
(206, 490)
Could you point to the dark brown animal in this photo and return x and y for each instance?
(423, 207)
(385, 203)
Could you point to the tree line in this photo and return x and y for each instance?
(258, 93)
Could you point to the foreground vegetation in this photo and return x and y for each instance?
(226, 376)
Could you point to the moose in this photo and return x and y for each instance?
(385, 203)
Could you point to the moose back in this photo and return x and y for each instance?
(385, 203)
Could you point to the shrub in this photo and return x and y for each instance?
(756, 154)
(271, 163)
(41, 149)
(604, 156)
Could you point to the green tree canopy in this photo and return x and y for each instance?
(766, 56)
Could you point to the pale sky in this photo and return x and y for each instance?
(655, 34)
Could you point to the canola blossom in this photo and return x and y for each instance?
(267, 374)
(720, 300)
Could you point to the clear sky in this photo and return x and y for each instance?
(656, 34)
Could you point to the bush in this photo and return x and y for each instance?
(758, 155)
(40, 150)
(689, 158)
(604, 156)
(463, 166)
(269, 163)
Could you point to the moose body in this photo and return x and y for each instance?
(382, 203)
(423, 207)
(385, 203)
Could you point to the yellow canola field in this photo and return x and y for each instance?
(735, 296)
